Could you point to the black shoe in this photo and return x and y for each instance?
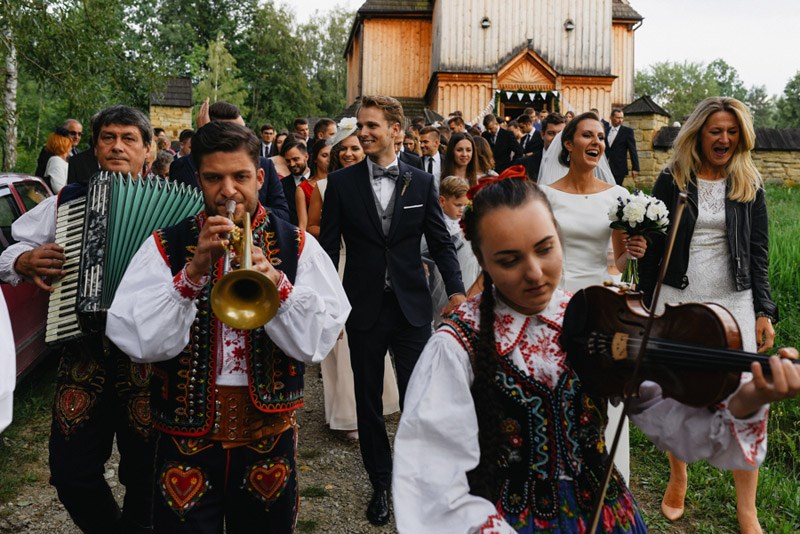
(378, 509)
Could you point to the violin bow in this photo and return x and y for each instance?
(601, 495)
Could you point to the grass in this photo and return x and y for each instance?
(313, 491)
(21, 461)
(711, 500)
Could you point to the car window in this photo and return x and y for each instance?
(31, 193)
(8, 214)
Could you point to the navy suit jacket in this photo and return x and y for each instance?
(411, 159)
(617, 153)
(505, 145)
(349, 211)
(183, 170)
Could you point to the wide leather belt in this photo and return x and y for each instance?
(238, 422)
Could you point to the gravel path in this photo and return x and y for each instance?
(333, 484)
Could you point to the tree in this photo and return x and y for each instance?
(272, 59)
(181, 25)
(762, 107)
(789, 104)
(727, 79)
(219, 79)
(677, 87)
(326, 37)
(9, 88)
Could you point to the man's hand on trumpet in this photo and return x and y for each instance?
(262, 265)
(211, 246)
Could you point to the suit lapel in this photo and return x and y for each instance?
(398, 198)
(365, 188)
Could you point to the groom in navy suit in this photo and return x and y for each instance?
(382, 207)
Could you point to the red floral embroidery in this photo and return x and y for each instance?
(185, 287)
(234, 347)
(493, 524)
(284, 288)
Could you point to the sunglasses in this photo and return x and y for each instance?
(75, 134)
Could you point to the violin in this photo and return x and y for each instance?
(693, 352)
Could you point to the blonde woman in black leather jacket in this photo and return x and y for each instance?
(721, 250)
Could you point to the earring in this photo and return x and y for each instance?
(568, 156)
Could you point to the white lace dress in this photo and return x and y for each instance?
(710, 270)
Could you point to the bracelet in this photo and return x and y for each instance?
(765, 314)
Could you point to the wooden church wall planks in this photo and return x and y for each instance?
(457, 54)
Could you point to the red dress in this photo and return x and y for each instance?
(307, 188)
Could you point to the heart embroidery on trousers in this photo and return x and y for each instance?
(182, 486)
(267, 480)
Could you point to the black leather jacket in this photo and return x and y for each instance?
(748, 241)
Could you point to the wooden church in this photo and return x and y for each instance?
(501, 56)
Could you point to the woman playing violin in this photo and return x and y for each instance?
(498, 434)
(720, 253)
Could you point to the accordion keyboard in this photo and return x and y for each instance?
(62, 319)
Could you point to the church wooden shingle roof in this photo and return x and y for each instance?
(385, 7)
(766, 138)
(623, 11)
(644, 106)
(177, 93)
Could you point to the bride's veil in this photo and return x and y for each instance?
(552, 170)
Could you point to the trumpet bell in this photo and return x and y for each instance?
(245, 299)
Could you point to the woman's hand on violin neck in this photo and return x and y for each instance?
(783, 384)
(765, 334)
(636, 246)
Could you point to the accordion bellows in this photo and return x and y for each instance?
(100, 233)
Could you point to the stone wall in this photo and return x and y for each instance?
(651, 161)
(172, 119)
(776, 166)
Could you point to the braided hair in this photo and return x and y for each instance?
(507, 193)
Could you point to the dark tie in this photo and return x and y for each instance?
(494, 138)
(524, 140)
(430, 164)
(379, 172)
(266, 151)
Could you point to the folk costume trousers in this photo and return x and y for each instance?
(392, 332)
(100, 395)
(201, 486)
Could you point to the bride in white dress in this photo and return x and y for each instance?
(579, 185)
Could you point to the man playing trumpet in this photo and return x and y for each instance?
(224, 398)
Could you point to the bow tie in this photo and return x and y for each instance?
(379, 172)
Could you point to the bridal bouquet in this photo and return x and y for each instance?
(638, 214)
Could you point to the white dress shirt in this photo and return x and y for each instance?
(437, 167)
(612, 134)
(384, 187)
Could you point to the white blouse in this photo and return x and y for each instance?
(437, 440)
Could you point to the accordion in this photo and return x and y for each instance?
(100, 233)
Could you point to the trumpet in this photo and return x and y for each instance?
(244, 299)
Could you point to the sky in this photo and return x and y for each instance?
(760, 38)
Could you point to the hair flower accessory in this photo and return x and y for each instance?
(347, 123)
(515, 172)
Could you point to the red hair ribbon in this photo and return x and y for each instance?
(516, 172)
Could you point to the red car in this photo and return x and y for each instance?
(27, 304)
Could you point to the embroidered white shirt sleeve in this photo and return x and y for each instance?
(34, 228)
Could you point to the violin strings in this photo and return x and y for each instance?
(687, 355)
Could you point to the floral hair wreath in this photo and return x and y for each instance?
(515, 172)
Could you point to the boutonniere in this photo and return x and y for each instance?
(406, 182)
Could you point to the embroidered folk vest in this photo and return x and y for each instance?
(183, 388)
(547, 432)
